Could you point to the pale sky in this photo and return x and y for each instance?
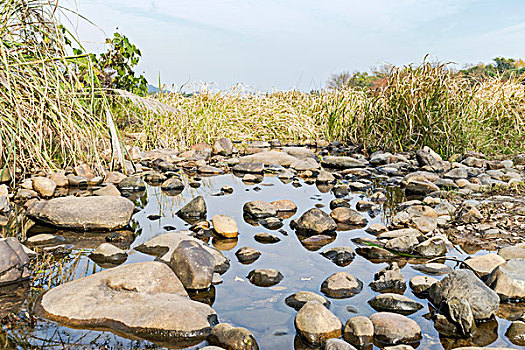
(277, 44)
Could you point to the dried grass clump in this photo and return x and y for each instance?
(415, 106)
(47, 115)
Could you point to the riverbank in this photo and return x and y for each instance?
(253, 218)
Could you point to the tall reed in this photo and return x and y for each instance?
(47, 115)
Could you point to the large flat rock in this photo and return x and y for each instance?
(144, 299)
(84, 213)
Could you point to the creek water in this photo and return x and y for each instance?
(261, 310)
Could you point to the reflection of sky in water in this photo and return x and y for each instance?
(261, 310)
(299, 43)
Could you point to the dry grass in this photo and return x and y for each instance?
(48, 117)
(417, 106)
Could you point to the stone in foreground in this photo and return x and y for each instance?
(145, 300)
(316, 324)
(464, 285)
(297, 300)
(359, 331)
(315, 222)
(193, 265)
(228, 337)
(390, 328)
(508, 280)
(84, 213)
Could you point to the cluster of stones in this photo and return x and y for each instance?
(155, 303)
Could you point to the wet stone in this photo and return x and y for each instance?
(271, 223)
(259, 209)
(236, 338)
(108, 253)
(508, 280)
(341, 256)
(247, 255)
(337, 344)
(132, 183)
(265, 277)
(251, 168)
(391, 328)
(111, 299)
(44, 238)
(297, 300)
(483, 265)
(359, 331)
(84, 213)
(14, 262)
(341, 285)
(266, 238)
(316, 324)
(348, 216)
(196, 208)
(315, 221)
(172, 184)
(516, 333)
(225, 226)
(339, 202)
(433, 268)
(395, 303)
(193, 265)
(108, 190)
(421, 284)
(464, 285)
(389, 280)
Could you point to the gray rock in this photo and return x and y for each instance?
(457, 173)
(297, 300)
(316, 324)
(463, 284)
(348, 216)
(193, 265)
(265, 277)
(404, 244)
(433, 268)
(389, 279)
(152, 304)
(325, 177)
(420, 188)
(308, 164)
(513, 252)
(234, 338)
(341, 256)
(172, 184)
(259, 209)
(421, 217)
(315, 222)
(483, 265)
(391, 328)
(300, 152)
(395, 303)
(44, 238)
(434, 246)
(250, 168)
(269, 158)
(266, 238)
(108, 253)
(84, 213)
(196, 208)
(14, 262)
(247, 255)
(508, 280)
(359, 331)
(108, 190)
(343, 162)
(421, 284)
(132, 183)
(341, 285)
(164, 245)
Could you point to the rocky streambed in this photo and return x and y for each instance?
(247, 246)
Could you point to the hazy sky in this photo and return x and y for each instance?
(299, 43)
